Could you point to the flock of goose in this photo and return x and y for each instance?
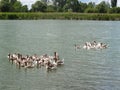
(50, 62)
(92, 45)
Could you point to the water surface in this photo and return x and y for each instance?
(83, 69)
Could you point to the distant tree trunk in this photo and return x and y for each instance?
(113, 3)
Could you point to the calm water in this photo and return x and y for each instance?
(83, 69)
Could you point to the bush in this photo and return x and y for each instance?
(68, 16)
(90, 10)
(114, 10)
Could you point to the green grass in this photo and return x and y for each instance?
(61, 16)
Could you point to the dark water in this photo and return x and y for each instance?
(83, 69)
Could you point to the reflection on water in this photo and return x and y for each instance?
(83, 69)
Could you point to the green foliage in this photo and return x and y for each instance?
(17, 6)
(113, 3)
(68, 16)
(11, 6)
(24, 8)
(72, 5)
(114, 10)
(45, 1)
(12, 16)
(50, 8)
(39, 7)
(103, 7)
(90, 10)
(59, 4)
(12, 1)
(91, 5)
(69, 6)
(4, 6)
(82, 7)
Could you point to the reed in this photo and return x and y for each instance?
(61, 16)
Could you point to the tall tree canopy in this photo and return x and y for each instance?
(45, 1)
(17, 6)
(113, 3)
(12, 1)
(72, 4)
(39, 6)
(12, 6)
(103, 7)
(59, 4)
(5, 6)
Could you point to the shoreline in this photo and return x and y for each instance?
(59, 16)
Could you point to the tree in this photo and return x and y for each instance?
(59, 4)
(12, 6)
(114, 10)
(50, 8)
(24, 8)
(82, 7)
(45, 1)
(12, 1)
(17, 6)
(90, 8)
(5, 6)
(91, 5)
(72, 5)
(38, 6)
(103, 7)
(113, 3)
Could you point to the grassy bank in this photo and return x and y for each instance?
(66, 16)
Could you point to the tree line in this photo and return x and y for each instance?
(60, 6)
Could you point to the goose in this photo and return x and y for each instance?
(50, 66)
(60, 62)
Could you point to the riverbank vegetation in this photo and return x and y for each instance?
(60, 9)
(61, 16)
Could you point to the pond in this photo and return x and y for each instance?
(83, 69)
